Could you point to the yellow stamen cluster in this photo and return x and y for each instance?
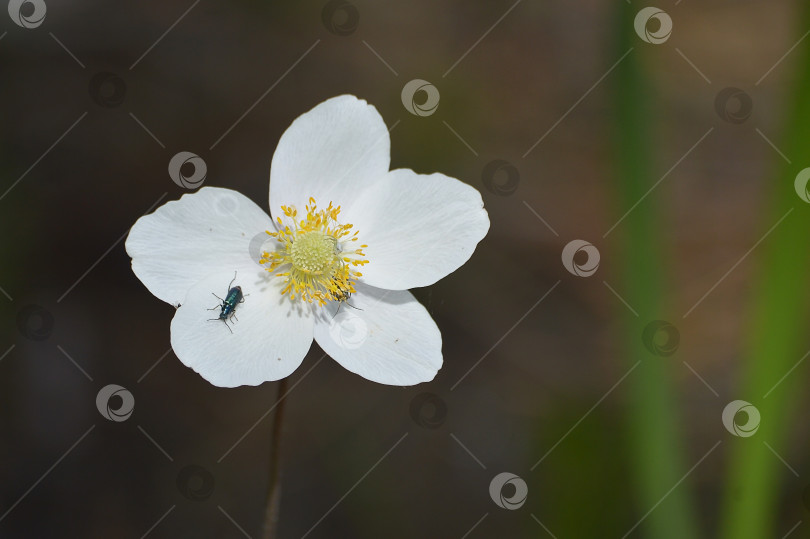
(313, 257)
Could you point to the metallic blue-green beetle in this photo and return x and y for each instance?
(228, 306)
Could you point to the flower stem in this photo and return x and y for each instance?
(757, 486)
(654, 425)
(274, 474)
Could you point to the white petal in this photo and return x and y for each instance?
(331, 153)
(387, 338)
(269, 339)
(418, 228)
(187, 239)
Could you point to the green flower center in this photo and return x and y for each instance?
(315, 258)
(314, 252)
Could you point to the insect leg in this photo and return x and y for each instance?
(232, 280)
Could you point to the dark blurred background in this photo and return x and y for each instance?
(98, 97)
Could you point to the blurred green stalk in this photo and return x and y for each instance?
(777, 339)
(655, 440)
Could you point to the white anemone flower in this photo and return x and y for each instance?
(348, 237)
